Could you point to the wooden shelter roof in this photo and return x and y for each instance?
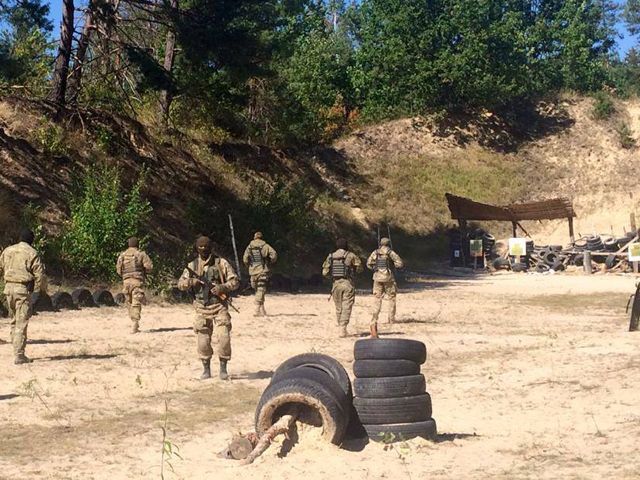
(465, 209)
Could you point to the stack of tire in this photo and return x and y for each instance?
(390, 397)
(314, 385)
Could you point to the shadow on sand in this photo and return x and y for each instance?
(80, 356)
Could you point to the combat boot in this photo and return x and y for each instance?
(135, 328)
(22, 358)
(374, 330)
(262, 310)
(206, 372)
(223, 369)
(258, 311)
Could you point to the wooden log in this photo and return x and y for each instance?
(626, 245)
(571, 235)
(281, 426)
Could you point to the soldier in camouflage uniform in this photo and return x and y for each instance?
(23, 274)
(383, 261)
(133, 265)
(212, 315)
(258, 257)
(341, 266)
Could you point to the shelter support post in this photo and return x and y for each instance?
(571, 234)
(514, 226)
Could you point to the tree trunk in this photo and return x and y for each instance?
(166, 96)
(61, 66)
(75, 80)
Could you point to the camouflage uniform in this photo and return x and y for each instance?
(212, 317)
(383, 261)
(258, 257)
(133, 265)
(23, 274)
(341, 266)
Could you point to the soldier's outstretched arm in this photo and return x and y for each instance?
(357, 263)
(326, 266)
(371, 261)
(184, 282)
(231, 282)
(272, 254)
(245, 256)
(37, 270)
(147, 263)
(397, 261)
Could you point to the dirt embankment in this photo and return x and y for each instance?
(393, 173)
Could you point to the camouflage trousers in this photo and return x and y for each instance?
(19, 304)
(380, 290)
(210, 321)
(134, 297)
(259, 284)
(344, 296)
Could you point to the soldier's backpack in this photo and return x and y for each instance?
(339, 268)
(255, 256)
(132, 263)
(383, 261)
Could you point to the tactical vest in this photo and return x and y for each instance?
(339, 268)
(255, 256)
(382, 261)
(131, 264)
(212, 272)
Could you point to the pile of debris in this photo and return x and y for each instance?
(602, 252)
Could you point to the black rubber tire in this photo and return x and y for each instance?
(83, 298)
(611, 261)
(519, 267)
(555, 248)
(558, 266)
(376, 411)
(384, 368)
(103, 298)
(578, 261)
(120, 299)
(389, 387)
(41, 302)
(550, 258)
(542, 267)
(306, 387)
(390, 349)
(398, 432)
(321, 362)
(62, 301)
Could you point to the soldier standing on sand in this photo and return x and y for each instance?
(341, 266)
(23, 274)
(133, 265)
(258, 257)
(383, 261)
(212, 314)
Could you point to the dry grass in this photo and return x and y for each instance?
(578, 304)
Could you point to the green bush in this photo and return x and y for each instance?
(102, 217)
(51, 139)
(603, 106)
(624, 135)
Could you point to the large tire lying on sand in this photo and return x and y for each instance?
(389, 387)
(402, 431)
(103, 298)
(385, 368)
(41, 302)
(120, 299)
(83, 298)
(62, 301)
(320, 400)
(390, 349)
(319, 361)
(376, 411)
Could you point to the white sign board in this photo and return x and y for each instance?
(634, 252)
(517, 247)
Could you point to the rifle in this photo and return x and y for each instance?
(235, 249)
(389, 236)
(208, 285)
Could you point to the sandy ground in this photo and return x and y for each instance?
(531, 376)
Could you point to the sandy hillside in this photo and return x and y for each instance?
(531, 376)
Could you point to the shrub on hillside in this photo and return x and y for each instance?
(624, 135)
(102, 217)
(603, 106)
